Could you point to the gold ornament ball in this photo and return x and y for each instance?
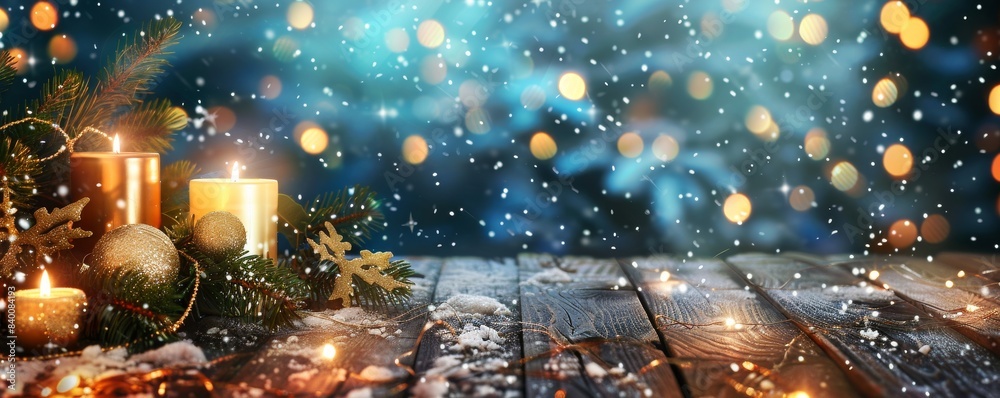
(137, 247)
(219, 234)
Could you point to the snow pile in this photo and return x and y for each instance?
(93, 363)
(378, 374)
(549, 276)
(482, 338)
(469, 305)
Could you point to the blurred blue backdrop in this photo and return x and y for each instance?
(586, 126)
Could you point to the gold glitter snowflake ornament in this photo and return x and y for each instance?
(369, 268)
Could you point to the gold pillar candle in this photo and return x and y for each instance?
(253, 200)
(47, 314)
(123, 187)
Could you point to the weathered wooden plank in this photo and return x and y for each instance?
(473, 350)
(982, 267)
(366, 344)
(939, 289)
(887, 346)
(727, 340)
(588, 339)
(578, 272)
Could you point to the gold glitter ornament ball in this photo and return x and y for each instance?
(137, 247)
(219, 234)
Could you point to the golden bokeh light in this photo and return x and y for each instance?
(542, 146)
(902, 233)
(269, 87)
(935, 228)
(396, 40)
(533, 97)
(844, 176)
(44, 15)
(477, 121)
(572, 86)
(433, 69)
(430, 33)
(780, 25)
(915, 33)
(995, 99)
(665, 148)
(898, 160)
(700, 85)
(737, 208)
(801, 198)
(894, 15)
(62, 48)
(314, 140)
(20, 60)
(885, 92)
(659, 81)
(415, 149)
(758, 119)
(300, 15)
(222, 118)
(996, 168)
(816, 143)
(798, 394)
(813, 29)
(630, 145)
(4, 20)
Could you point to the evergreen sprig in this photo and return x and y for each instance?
(174, 181)
(7, 71)
(355, 213)
(126, 308)
(321, 277)
(250, 289)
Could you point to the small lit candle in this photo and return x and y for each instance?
(123, 187)
(253, 200)
(48, 315)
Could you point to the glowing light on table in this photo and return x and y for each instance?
(253, 200)
(415, 149)
(542, 146)
(572, 86)
(737, 208)
(329, 351)
(898, 160)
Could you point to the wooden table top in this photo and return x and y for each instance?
(752, 325)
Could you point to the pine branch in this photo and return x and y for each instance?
(354, 212)
(148, 126)
(7, 71)
(57, 94)
(250, 289)
(20, 171)
(125, 309)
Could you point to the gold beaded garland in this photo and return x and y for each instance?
(137, 247)
(219, 234)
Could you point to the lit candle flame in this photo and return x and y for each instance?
(116, 145)
(236, 171)
(45, 286)
(329, 351)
